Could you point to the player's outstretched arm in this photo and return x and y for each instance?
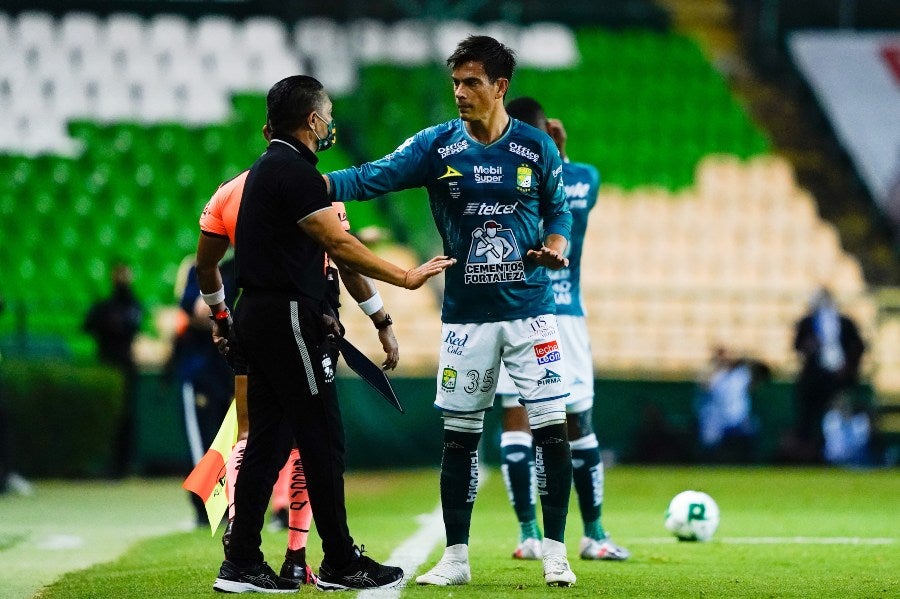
(324, 227)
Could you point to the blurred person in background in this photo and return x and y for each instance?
(489, 176)
(114, 323)
(582, 184)
(831, 349)
(727, 428)
(205, 381)
(847, 433)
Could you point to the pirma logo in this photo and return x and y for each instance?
(451, 172)
(549, 378)
(547, 352)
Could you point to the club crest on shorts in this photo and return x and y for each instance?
(448, 379)
(547, 352)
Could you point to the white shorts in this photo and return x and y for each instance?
(579, 368)
(471, 355)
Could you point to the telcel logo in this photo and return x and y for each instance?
(489, 209)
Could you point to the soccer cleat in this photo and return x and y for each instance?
(557, 572)
(361, 573)
(528, 549)
(446, 572)
(603, 549)
(294, 567)
(258, 578)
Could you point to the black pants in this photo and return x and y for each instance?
(290, 365)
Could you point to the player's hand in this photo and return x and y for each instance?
(549, 258)
(391, 348)
(416, 277)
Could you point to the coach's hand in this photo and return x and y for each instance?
(333, 326)
(416, 277)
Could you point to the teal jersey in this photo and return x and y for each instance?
(582, 185)
(491, 204)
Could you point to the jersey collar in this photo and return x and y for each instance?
(293, 143)
(496, 141)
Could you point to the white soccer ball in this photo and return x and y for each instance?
(692, 516)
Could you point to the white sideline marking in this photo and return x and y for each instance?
(56, 542)
(780, 540)
(412, 552)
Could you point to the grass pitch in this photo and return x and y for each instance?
(783, 533)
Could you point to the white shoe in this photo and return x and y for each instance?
(453, 568)
(556, 567)
(602, 550)
(528, 549)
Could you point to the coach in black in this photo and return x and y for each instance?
(285, 225)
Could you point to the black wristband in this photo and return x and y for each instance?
(384, 323)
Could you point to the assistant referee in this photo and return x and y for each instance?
(285, 225)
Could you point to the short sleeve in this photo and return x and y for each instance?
(304, 191)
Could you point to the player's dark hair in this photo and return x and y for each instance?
(527, 110)
(498, 60)
(290, 101)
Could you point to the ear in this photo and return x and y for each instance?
(267, 132)
(502, 87)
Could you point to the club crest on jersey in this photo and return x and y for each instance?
(549, 378)
(448, 379)
(524, 179)
(494, 256)
(547, 352)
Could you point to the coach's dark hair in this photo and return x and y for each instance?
(290, 101)
(526, 109)
(498, 60)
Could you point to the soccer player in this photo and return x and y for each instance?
(497, 197)
(582, 183)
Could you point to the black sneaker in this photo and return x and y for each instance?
(294, 567)
(258, 578)
(361, 573)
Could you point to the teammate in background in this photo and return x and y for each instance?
(582, 183)
(497, 197)
(217, 228)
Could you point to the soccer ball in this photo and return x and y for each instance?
(692, 516)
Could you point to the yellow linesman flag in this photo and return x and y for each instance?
(207, 479)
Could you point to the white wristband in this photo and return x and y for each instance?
(216, 297)
(372, 305)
